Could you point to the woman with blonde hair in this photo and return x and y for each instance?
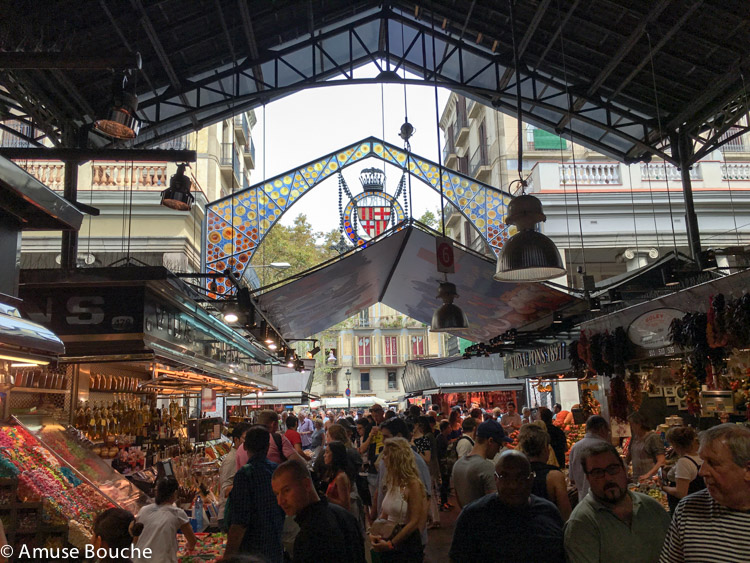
(397, 534)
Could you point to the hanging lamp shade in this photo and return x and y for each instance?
(528, 256)
(177, 195)
(448, 317)
(120, 121)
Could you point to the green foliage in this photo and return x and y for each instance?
(298, 245)
(429, 218)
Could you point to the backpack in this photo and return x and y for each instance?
(279, 445)
(698, 483)
(452, 457)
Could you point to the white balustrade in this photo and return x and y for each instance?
(735, 171)
(121, 176)
(590, 173)
(657, 172)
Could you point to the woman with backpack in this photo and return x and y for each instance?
(683, 479)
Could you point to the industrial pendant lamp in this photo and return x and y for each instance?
(448, 317)
(528, 256)
(121, 121)
(177, 195)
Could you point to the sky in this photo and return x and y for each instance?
(315, 122)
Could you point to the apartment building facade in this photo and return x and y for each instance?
(132, 225)
(605, 216)
(370, 350)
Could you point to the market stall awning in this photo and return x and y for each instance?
(401, 272)
(457, 375)
(23, 341)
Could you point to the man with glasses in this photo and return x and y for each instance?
(511, 524)
(611, 523)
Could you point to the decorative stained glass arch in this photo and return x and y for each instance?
(237, 224)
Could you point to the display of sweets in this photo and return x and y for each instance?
(210, 548)
(41, 477)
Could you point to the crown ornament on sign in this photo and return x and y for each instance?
(372, 179)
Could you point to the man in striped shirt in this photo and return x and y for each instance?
(714, 524)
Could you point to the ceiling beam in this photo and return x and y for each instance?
(614, 61)
(163, 58)
(84, 155)
(67, 61)
(252, 45)
(530, 30)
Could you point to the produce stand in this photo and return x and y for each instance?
(210, 548)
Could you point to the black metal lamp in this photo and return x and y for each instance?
(528, 256)
(121, 121)
(177, 195)
(448, 317)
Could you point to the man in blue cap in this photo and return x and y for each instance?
(474, 474)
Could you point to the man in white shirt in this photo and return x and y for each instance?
(465, 443)
(229, 467)
(305, 429)
(511, 420)
(597, 431)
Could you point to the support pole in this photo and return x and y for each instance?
(684, 156)
(69, 250)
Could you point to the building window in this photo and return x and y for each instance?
(417, 345)
(467, 233)
(331, 379)
(392, 384)
(363, 350)
(364, 381)
(463, 164)
(363, 319)
(391, 349)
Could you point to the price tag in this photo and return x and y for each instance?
(444, 254)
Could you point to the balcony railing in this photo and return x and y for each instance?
(594, 173)
(735, 145)
(657, 172)
(119, 176)
(478, 159)
(51, 174)
(241, 124)
(229, 158)
(735, 171)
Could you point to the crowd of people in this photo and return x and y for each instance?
(374, 482)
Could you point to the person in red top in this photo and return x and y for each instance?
(294, 437)
(270, 420)
(340, 486)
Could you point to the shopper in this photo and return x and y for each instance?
(255, 521)
(327, 532)
(339, 489)
(161, 522)
(294, 437)
(510, 524)
(467, 439)
(423, 440)
(597, 431)
(404, 506)
(445, 471)
(305, 427)
(228, 468)
(549, 481)
(511, 420)
(474, 474)
(318, 435)
(526, 417)
(363, 433)
(714, 524)
(611, 523)
(396, 428)
(646, 450)
(557, 440)
(455, 421)
(115, 530)
(279, 447)
(374, 445)
(682, 479)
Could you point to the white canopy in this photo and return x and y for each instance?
(343, 402)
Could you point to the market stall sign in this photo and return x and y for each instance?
(550, 359)
(651, 331)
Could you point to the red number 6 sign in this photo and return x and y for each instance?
(444, 253)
